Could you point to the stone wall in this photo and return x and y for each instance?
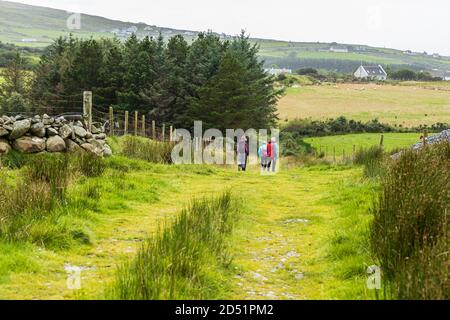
(50, 134)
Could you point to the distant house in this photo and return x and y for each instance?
(29, 40)
(276, 72)
(371, 72)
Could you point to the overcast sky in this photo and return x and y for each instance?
(420, 25)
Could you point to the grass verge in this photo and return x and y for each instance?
(184, 261)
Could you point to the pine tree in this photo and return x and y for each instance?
(240, 95)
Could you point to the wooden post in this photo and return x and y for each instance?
(170, 133)
(424, 138)
(143, 125)
(163, 131)
(87, 108)
(111, 121)
(382, 141)
(126, 123)
(136, 123)
(154, 130)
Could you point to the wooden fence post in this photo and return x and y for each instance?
(154, 129)
(382, 141)
(424, 138)
(163, 131)
(111, 121)
(170, 133)
(136, 123)
(126, 124)
(87, 108)
(143, 125)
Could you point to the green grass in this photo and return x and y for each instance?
(186, 260)
(307, 242)
(345, 143)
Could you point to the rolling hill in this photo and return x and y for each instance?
(32, 26)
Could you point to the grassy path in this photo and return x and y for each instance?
(283, 244)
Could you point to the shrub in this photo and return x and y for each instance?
(410, 232)
(182, 261)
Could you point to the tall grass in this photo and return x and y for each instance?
(183, 261)
(372, 159)
(31, 209)
(148, 150)
(410, 232)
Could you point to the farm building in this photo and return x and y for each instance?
(371, 72)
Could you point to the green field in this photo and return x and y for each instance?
(345, 143)
(407, 105)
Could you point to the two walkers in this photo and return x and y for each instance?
(267, 152)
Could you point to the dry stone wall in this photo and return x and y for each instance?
(50, 134)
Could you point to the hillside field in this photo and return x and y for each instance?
(345, 143)
(408, 104)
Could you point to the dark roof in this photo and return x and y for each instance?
(374, 70)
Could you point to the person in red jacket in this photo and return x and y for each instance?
(269, 154)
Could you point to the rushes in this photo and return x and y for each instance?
(148, 150)
(182, 261)
(373, 161)
(410, 233)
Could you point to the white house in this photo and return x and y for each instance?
(371, 72)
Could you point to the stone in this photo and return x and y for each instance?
(47, 119)
(91, 149)
(38, 130)
(95, 130)
(19, 129)
(65, 131)
(107, 152)
(72, 146)
(29, 145)
(56, 144)
(80, 131)
(4, 147)
(3, 132)
(88, 136)
(52, 132)
(100, 136)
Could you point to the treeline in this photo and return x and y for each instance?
(8, 52)
(219, 82)
(411, 75)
